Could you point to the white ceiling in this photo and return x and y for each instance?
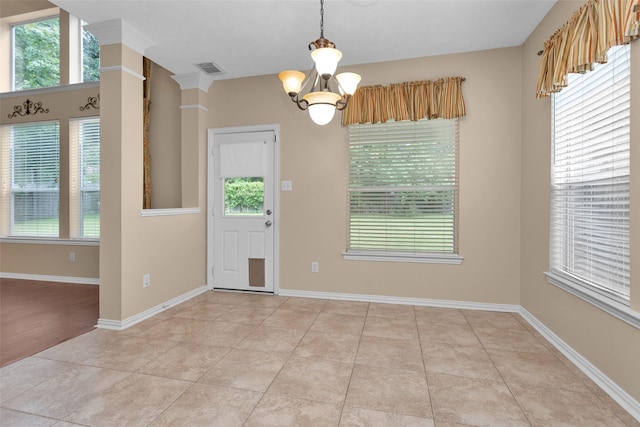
(258, 37)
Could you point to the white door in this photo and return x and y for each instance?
(243, 207)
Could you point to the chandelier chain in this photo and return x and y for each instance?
(321, 19)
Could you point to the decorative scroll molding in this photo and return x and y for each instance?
(28, 108)
(92, 102)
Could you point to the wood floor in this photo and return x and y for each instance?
(36, 315)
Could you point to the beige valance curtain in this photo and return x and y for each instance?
(585, 39)
(406, 101)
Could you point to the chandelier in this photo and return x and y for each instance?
(321, 101)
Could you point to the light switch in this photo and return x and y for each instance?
(286, 186)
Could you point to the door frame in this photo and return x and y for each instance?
(211, 134)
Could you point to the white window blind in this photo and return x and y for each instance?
(590, 178)
(403, 187)
(85, 177)
(33, 163)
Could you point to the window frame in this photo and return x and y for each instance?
(596, 295)
(71, 58)
(12, 70)
(410, 256)
(66, 235)
(8, 156)
(77, 188)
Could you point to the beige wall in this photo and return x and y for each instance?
(164, 140)
(51, 259)
(610, 344)
(170, 248)
(313, 216)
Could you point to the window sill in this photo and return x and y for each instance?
(614, 308)
(401, 257)
(50, 89)
(170, 212)
(50, 241)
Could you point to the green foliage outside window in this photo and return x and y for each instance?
(37, 54)
(243, 195)
(90, 57)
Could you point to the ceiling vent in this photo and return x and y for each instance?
(209, 68)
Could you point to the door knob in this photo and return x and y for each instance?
(268, 223)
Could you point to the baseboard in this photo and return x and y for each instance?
(463, 305)
(47, 278)
(604, 382)
(120, 325)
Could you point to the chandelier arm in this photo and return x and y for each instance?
(302, 104)
(342, 103)
(340, 88)
(313, 75)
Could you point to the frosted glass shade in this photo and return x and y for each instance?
(348, 82)
(326, 60)
(321, 114)
(322, 106)
(291, 81)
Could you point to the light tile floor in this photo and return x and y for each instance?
(232, 359)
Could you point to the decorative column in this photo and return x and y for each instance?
(194, 87)
(121, 52)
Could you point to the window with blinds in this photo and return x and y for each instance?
(84, 193)
(31, 156)
(403, 188)
(589, 242)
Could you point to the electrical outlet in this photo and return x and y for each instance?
(146, 280)
(315, 266)
(72, 256)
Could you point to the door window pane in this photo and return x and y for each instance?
(244, 196)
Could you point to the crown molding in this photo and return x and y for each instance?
(118, 31)
(195, 80)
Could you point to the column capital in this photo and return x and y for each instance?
(118, 31)
(195, 80)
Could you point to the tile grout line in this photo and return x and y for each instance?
(424, 366)
(355, 357)
(504, 381)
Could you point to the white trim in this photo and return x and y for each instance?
(387, 299)
(393, 257)
(47, 278)
(623, 398)
(52, 89)
(608, 305)
(40, 241)
(119, 325)
(192, 106)
(170, 212)
(124, 69)
(275, 128)
(118, 31)
(195, 80)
